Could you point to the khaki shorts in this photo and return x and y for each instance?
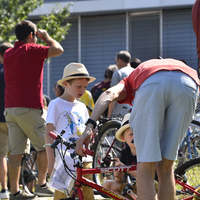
(24, 123)
(87, 191)
(3, 139)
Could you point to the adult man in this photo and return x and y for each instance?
(122, 59)
(23, 67)
(4, 194)
(159, 119)
(196, 26)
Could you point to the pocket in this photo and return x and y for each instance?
(21, 111)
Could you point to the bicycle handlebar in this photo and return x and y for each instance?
(70, 145)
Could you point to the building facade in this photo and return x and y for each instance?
(101, 28)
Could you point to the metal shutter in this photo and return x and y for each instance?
(144, 35)
(101, 38)
(70, 54)
(179, 40)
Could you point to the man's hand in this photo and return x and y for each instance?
(85, 139)
(42, 34)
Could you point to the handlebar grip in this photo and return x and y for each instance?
(74, 154)
(89, 152)
(53, 135)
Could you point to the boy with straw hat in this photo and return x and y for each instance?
(69, 114)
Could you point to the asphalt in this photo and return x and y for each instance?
(97, 197)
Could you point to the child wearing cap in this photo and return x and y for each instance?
(69, 114)
(128, 157)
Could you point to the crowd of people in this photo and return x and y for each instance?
(149, 96)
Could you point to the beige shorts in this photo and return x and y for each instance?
(3, 139)
(24, 123)
(87, 191)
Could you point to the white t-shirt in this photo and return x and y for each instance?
(68, 116)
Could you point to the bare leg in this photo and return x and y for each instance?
(166, 182)
(145, 181)
(3, 172)
(42, 167)
(14, 172)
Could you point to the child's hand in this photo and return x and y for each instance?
(118, 162)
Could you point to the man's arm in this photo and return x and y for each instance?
(117, 92)
(111, 108)
(55, 48)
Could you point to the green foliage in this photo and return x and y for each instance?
(11, 13)
(55, 23)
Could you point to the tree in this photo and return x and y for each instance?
(55, 23)
(11, 13)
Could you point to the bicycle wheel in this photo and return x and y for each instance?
(191, 147)
(29, 171)
(102, 145)
(190, 173)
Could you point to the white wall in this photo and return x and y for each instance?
(83, 7)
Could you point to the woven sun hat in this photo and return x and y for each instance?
(75, 70)
(124, 126)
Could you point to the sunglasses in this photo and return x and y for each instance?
(34, 34)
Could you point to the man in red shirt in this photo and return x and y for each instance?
(196, 26)
(23, 66)
(159, 91)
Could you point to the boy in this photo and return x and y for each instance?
(69, 114)
(128, 157)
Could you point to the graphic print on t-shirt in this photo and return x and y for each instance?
(75, 125)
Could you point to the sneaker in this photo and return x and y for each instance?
(4, 195)
(22, 196)
(44, 191)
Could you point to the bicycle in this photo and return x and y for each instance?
(187, 187)
(29, 171)
(190, 145)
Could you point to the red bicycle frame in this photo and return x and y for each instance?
(81, 180)
(186, 186)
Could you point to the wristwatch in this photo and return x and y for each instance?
(91, 121)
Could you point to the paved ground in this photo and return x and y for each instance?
(97, 197)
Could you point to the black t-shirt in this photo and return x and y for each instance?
(126, 156)
(128, 159)
(2, 96)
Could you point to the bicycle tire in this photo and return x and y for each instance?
(194, 145)
(29, 171)
(190, 171)
(102, 144)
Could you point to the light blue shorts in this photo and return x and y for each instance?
(163, 110)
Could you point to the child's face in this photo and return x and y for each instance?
(128, 137)
(77, 88)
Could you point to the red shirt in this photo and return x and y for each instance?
(23, 68)
(146, 69)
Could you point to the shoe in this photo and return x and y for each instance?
(22, 196)
(44, 191)
(4, 195)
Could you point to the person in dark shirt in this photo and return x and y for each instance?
(127, 157)
(4, 194)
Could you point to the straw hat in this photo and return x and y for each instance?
(75, 70)
(124, 126)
